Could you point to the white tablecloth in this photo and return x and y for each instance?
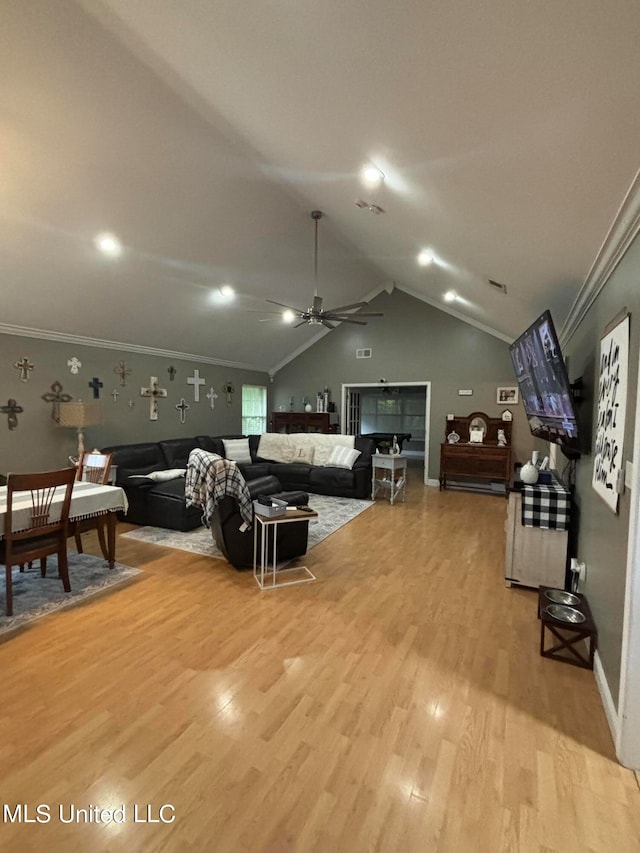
(87, 500)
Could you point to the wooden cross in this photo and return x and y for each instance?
(115, 394)
(172, 372)
(56, 397)
(11, 410)
(182, 407)
(96, 385)
(74, 364)
(196, 382)
(25, 367)
(123, 371)
(212, 397)
(153, 393)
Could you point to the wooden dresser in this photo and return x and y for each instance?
(485, 461)
(289, 422)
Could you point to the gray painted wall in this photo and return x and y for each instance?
(412, 342)
(38, 444)
(602, 535)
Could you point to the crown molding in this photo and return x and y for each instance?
(623, 230)
(80, 340)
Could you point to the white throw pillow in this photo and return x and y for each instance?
(237, 449)
(169, 474)
(303, 453)
(342, 457)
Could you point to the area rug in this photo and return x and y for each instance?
(35, 596)
(333, 513)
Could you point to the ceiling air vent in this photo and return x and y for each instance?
(497, 286)
(370, 206)
(365, 352)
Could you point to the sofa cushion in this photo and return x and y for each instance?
(176, 451)
(291, 474)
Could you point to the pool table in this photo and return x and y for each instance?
(384, 440)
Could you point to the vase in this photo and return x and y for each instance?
(308, 407)
(529, 474)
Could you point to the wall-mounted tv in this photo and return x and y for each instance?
(544, 385)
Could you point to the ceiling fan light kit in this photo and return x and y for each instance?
(315, 315)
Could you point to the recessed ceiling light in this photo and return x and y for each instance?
(108, 244)
(371, 175)
(425, 257)
(228, 291)
(450, 296)
(288, 316)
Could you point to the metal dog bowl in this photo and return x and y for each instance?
(559, 596)
(564, 613)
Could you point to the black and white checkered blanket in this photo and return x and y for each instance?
(210, 478)
(546, 506)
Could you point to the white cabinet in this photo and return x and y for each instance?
(534, 556)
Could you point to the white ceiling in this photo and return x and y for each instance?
(203, 133)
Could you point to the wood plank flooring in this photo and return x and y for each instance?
(397, 704)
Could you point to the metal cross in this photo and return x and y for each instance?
(196, 382)
(123, 371)
(74, 364)
(56, 397)
(182, 407)
(25, 367)
(172, 372)
(12, 410)
(212, 397)
(96, 385)
(153, 393)
(115, 394)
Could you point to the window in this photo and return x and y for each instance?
(254, 409)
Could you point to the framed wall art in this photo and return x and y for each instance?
(507, 396)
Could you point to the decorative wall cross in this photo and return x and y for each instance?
(25, 367)
(182, 407)
(11, 410)
(123, 371)
(228, 390)
(131, 404)
(212, 397)
(153, 393)
(96, 385)
(74, 364)
(172, 372)
(115, 394)
(196, 382)
(56, 397)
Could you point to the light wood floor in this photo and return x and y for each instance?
(398, 704)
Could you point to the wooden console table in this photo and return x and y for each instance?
(288, 422)
(484, 461)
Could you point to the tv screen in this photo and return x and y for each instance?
(544, 385)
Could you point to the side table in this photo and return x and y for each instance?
(388, 472)
(265, 565)
(570, 635)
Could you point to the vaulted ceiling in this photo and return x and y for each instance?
(203, 134)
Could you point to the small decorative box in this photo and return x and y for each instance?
(277, 508)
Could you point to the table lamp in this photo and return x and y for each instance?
(79, 415)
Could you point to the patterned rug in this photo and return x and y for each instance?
(34, 596)
(333, 513)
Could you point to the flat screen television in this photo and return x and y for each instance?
(544, 385)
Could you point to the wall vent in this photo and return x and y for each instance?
(497, 286)
(365, 352)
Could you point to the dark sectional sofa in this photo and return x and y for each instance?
(162, 504)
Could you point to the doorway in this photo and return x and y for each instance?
(390, 407)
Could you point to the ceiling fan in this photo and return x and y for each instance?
(316, 315)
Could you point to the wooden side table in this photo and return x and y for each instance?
(388, 472)
(568, 634)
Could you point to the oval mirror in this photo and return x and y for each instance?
(478, 423)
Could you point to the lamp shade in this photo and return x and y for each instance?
(78, 414)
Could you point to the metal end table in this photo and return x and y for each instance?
(265, 565)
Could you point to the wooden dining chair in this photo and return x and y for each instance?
(39, 535)
(93, 467)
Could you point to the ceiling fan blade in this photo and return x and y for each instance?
(282, 305)
(327, 324)
(363, 314)
(297, 325)
(343, 308)
(348, 320)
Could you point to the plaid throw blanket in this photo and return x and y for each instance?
(210, 478)
(546, 506)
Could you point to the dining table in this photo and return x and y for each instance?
(88, 500)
